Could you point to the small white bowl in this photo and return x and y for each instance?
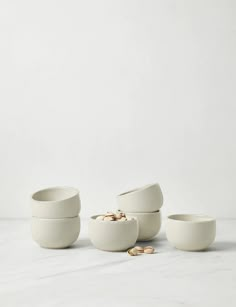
(55, 233)
(56, 203)
(113, 236)
(190, 232)
(149, 224)
(146, 199)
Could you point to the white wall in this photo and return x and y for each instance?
(110, 95)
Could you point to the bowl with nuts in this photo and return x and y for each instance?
(113, 231)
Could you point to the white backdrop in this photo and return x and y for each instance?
(111, 95)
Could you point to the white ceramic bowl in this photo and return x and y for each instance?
(149, 224)
(55, 203)
(146, 199)
(113, 236)
(55, 233)
(190, 232)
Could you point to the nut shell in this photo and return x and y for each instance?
(149, 250)
(109, 218)
(132, 252)
(109, 214)
(140, 249)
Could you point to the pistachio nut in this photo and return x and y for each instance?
(149, 250)
(132, 251)
(109, 218)
(109, 214)
(140, 249)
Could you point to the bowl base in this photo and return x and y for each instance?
(192, 250)
(63, 247)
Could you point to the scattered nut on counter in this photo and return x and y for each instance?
(149, 250)
(132, 251)
(140, 250)
(110, 216)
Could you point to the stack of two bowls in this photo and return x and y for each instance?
(144, 204)
(55, 217)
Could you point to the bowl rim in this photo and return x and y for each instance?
(55, 220)
(139, 189)
(93, 218)
(75, 192)
(194, 218)
(158, 212)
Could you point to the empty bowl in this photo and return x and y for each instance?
(146, 199)
(113, 235)
(55, 233)
(190, 232)
(149, 224)
(57, 202)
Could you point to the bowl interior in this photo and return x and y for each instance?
(54, 194)
(194, 218)
(137, 189)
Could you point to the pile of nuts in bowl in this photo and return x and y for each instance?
(140, 250)
(120, 216)
(110, 216)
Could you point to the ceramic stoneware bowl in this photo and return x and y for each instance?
(57, 202)
(190, 232)
(146, 199)
(55, 233)
(149, 224)
(113, 236)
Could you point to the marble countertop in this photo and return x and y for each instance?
(84, 276)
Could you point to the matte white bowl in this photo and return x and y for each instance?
(146, 199)
(113, 235)
(190, 232)
(55, 203)
(55, 233)
(149, 224)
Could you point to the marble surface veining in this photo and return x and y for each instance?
(84, 276)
